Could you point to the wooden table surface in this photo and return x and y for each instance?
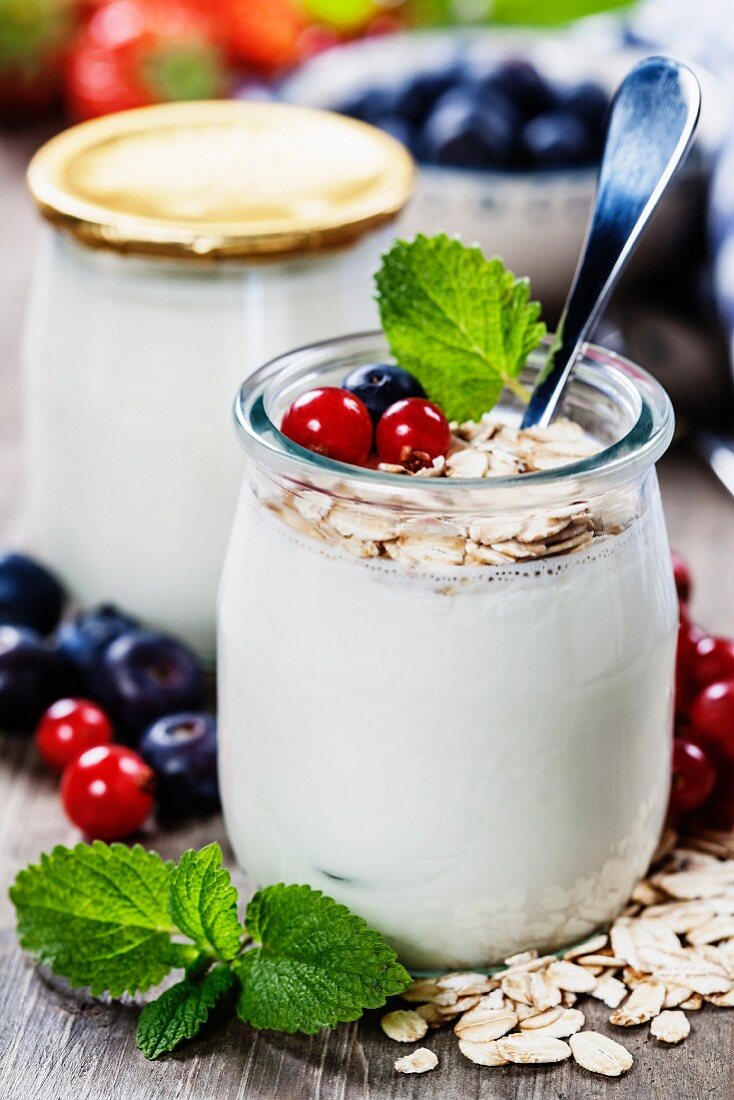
(58, 1045)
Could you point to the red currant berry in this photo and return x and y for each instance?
(331, 422)
(413, 432)
(107, 792)
(718, 811)
(689, 635)
(712, 719)
(712, 662)
(70, 727)
(693, 777)
(682, 576)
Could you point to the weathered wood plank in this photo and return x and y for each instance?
(56, 1044)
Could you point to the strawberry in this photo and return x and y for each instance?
(263, 34)
(133, 53)
(33, 37)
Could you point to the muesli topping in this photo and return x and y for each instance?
(483, 449)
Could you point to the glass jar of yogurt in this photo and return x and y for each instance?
(447, 702)
(183, 242)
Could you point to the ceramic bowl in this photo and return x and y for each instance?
(535, 220)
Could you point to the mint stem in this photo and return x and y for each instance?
(520, 391)
(199, 966)
(183, 955)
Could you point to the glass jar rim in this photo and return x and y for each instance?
(611, 374)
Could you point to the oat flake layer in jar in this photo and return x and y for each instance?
(186, 244)
(447, 701)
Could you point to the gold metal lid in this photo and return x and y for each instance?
(221, 180)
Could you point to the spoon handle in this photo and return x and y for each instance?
(651, 123)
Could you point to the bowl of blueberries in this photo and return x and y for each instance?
(507, 129)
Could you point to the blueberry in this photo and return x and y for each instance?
(368, 104)
(143, 676)
(397, 127)
(29, 594)
(588, 101)
(463, 135)
(502, 124)
(30, 679)
(380, 385)
(417, 95)
(182, 751)
(558, 140)
(521, 83)
(81, 641)
(459, 96)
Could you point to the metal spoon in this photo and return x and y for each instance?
(651, 123)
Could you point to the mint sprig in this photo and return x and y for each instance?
(317, 964)
(461, 324)
(98, 916)
(120, 919)
(181, 1012)
(203, 903)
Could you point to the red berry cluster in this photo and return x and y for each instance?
(106, 790)
(703, 751)
(335, 423)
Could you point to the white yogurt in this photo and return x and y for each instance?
(475, 760)
(131, 462)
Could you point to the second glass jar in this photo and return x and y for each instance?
(187, 243)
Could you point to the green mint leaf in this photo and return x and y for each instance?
(98, 915)
(204, 902)
(318, 964)
(181, 1012)
(462, 324)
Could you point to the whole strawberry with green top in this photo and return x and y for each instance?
(133, 53)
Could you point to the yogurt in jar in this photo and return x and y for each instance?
(465, 741)
(188, 243)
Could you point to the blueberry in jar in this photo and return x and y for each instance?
(462, 134)
(520, 82)
(558, 139)
(507, 116)
(369, 104)
(30, 595)
(380, 385)
(397, 127)
(588, 101)
(418, 94)
(182, 751)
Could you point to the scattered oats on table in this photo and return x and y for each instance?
(482, 1054)
(600, 1054)
(670, 953)
(481, 1025)
(568, 1022)
(528, 1049)
(671, 1026)
(420, 1061)
(404, 1026)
